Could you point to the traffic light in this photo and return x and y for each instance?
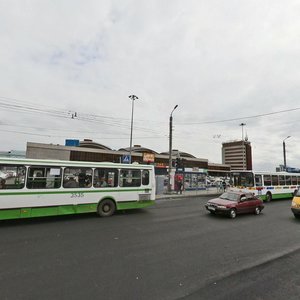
(179, 163)
(182, 163)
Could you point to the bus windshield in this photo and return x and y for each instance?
(245, 179)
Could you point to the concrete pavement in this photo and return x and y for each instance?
(212, 191)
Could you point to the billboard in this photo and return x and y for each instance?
(148, 157)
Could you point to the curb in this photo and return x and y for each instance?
(175, 196)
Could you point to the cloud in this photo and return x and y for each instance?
(216, 59)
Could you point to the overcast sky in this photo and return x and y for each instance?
(222, 62)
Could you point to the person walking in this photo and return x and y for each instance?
(179, 187)
(224, 185)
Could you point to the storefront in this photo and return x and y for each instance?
(192, 178)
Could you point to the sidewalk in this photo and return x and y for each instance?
(213, 192)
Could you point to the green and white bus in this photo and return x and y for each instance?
(35, 188)
(266, 185)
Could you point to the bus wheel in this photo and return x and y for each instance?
(269, 197)
(106, 208)
(295, 192)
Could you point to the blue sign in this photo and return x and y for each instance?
(126, 159)
(74, 143)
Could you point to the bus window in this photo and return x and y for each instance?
(281, 180)
(77, 177)
(247, 179)
(267, 179)
(294, 180)
(145, 177)
(275, 180)
(130, 178)
(258, 180)
(12, 177)
(41, 177)
(288, 180)
(104, 177)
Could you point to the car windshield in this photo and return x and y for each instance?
(230, 196)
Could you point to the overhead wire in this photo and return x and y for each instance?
(121, 123)
(241, 118)
(109, 121)
(63, 136)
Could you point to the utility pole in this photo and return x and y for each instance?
(243, 145)
(284, 153)
(132, 97)
(170, 147)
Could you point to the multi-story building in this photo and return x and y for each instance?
(237, 154)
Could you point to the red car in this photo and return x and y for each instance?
(232, 203)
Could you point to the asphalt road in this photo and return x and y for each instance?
(174, 250)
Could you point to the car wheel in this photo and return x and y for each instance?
(269, 197)
(232, 213)
(297, 216)
(106, 208)
(257, 210)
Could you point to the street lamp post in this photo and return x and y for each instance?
(170, 148)
(284, 154)
(243, 144)
(132, 97)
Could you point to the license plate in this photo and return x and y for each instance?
(144, 197)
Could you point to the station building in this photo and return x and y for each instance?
(193, 171)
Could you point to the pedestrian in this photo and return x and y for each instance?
(224, 185)
(179, 187)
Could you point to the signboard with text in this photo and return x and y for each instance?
(148, 157)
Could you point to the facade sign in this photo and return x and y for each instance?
(148, 157)
(161, 165)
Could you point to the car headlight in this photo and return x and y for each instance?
(221, 206)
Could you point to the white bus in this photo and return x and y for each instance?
(267, 185)
(35, 188)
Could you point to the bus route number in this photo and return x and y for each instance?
(77, 195)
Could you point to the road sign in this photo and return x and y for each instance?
(126, 159)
